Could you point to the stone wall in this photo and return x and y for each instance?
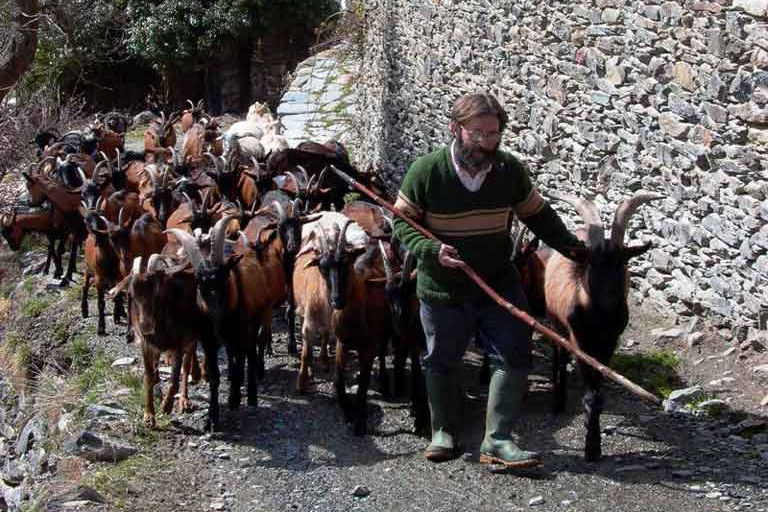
(606, 98)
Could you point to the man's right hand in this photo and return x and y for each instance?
(449, 257)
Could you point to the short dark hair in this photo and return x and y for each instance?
(472, 105)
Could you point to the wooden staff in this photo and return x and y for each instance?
(522, 315)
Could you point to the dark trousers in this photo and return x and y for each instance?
(449, 327)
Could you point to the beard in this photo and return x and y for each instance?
(474, 156)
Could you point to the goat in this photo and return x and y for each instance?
(166, 317)
(117, 122)
(333, 295)
(587, 303)
(160, 134)
(231, 291)
(101, 266)
(46, 220)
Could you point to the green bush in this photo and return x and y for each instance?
(35, 306)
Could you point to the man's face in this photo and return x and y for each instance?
(477, 141)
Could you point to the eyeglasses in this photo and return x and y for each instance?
(480, 135)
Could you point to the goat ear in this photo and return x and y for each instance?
(636, 250)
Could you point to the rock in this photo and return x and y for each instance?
(753, 7)
(681, 397)
(684, 75)
(667, 334)
(33, 433)
(98, 411)
(536, 500)
(671, 124)
(99, 448)
(80, 495)
(360, 491)
(761, 369)
(218, 505)
(764, 401)
(714, 406)
(123, 361)
(631, 468)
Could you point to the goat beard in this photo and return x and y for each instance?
(473, 157)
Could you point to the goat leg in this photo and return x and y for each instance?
(593, 407)
(84, 298)
(57, 257)
(340, 383)
(236, 370)
(173, 386)
(211, 349)
(118, 310)
(255, 356)
(72, 262)
(559, 378)
(102, 326)
(384, 385)
(290, 314)
(361, 410)
(51, 254)
(149, 356)
(129, 335)
(419, 403)
(305, 360)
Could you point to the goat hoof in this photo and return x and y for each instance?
(101, 331)
(64, 283)
(149, 420)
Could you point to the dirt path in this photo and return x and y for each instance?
(296, 453)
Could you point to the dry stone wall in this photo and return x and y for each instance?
(606, 98)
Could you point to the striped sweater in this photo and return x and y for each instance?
(475, 223)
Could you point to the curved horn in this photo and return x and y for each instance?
(297, 207)
(80, 173)
(120, 217)
(189, 244)
(589, 214)
(150, 170)
(100, 164)
(625, 211)
(385, 260)
(342, 237)
(136, 268)
(189, 199)
(154, 260)
(295, 180)
(518, 240)
(84, 205)
(47, 159)
(303, 171)
(100, 203)
(162, 118)
(215, 161)
(281, 216)
(408, 263)
(191, 105)
(217, 239)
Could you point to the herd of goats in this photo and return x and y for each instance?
(203, 243)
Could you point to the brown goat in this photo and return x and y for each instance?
(587, 304)
(166, 318)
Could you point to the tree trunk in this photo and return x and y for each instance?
(23, 37)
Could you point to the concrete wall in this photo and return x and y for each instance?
(606, 98)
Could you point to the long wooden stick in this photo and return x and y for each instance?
(522, 315)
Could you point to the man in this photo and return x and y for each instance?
(464, 193)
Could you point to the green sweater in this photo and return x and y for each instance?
(475, 223)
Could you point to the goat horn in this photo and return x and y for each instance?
(215, 161)
(189, 199)
(589, 214)
(297, 207)
(154, 260)
(47, 159)
(303, 171)
(204, 201)
(100, 203)
(625, 211)
(217, 239)
(100, 164)
(281, 216)
(518, 239)
(191, 105)
(136, 268)
(120, 217)
(150, 170)
(189, 244)
(162, 117)
(385, 260)
(83, 179)
(342, 235)
(296, 181)
(408, 264)
(84, 205)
